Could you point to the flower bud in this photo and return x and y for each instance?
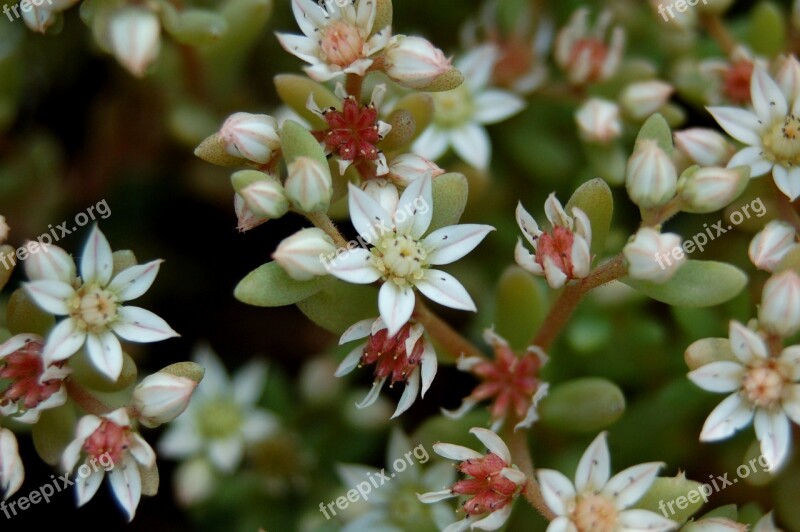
(301, 254)
(710, 189)
(410, 166)
(640, 100)
(4, 229)
(414, 62)
(246, 219)
(654, 256)
(309, 185)
(11, 470)
(599, 121)
(651, 178)
(262, 193)
(39, 19)
(769, 246)
(704, 146)
(708, 350)
(161, 397)
(779, 312)
(788, 78)
(135, 38)
(382, 191)
(252, 137)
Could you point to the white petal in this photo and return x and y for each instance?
(514, 475)
(494, 106)
(594, 467)
(555, 276)
(141, 451)
(774, 433)
(752, 157)
(51, 296)
(532, 415)
(354, 266)
(791, 402)
(416, 204)
(396, 306)
(493, 443)
(557, 490)
(350, 362)
(97, 263)
(87, 487)
(644, 521)
(119, 416)
(747, 345)
(368, 217)
(105, 352)
(215, 380)
(227, 453)
(12, 473)
(787, 181)
(323, 72)
(373, 394)
(248, 382)
(768, 101)
(526, 259)
(435, 496)
(529, 227)
(139, 325)
(459, 412)
(740, 124)
(180, 440)
(720, 377)
(308, 16)
(53, 264)
(495, 519)
(472, 144)
(409, 394)
(357, 331)
(429, 366)
(455, 452)
(581, 257)
(555, 212)
(126, 483)
(729, 416)
(561, 524)
(477, 65)
(135, 281)
(445, 289)
(259, 425)
(630, 485)
(432, 143)
(300, 46)
(16, 343)
(449, 244)
(64, 341)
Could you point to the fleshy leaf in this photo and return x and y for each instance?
(383, 16)
(520, 307)
(595, 200)
(450, 193)
(123, 259)
(582, 405)
(150, 480)
(403, 130)
(84, 371)
(53, 432)
(193, 26)
(211, 150)
(339, 305)
(708, 350)
(25, 316)
(695, 284)
(421, 107)
(657, 129)
(669, 489)
(270, 286)
(767, 31)
(294, 91)
(297, 141)
(448, 81)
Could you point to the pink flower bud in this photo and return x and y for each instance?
(266, 197)
(651, 178)
(161, 397)
(654, 256)
(409, 166)
(599, 121)
(250, 136)
(769, 246)
(135, 38)
(414, 62)
(779, 312)
(640, 100)
(302, 254)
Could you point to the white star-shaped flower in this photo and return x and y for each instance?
(771, 132)
(766, 390)
(337, 41)
(595, 502)
(93, 304)
(401, 257)
(461, 113)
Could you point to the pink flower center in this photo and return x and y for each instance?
(516, 60)
(490, 490)
(763, 385)
(109, 438)
(597, 52)
(594, 513)
(736, 82)
(388, 353)
(341, 44)
(23, 368)
(353, 132)
(509, 379)
(557, 245)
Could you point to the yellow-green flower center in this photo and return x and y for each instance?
(782, 142)
(93, 308)
(400, 258)
(453, 108)
(219, 419)
(594, 513)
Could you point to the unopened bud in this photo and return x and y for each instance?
(599, 121)
(11, 469)
(409, 167)
(263, 194)
(39, 19)
(771, 245)
(703, 146)
(135, 35)
(779, 312)
(651, 177)
(383, 192)
(250, 136)
(654, 256)
(162, 397)
(642, 99)
(300, 254)
(414, 62)
(246, 219)
(705, 190)
(309, 185)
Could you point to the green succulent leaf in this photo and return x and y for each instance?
(767, 30)
(339, 305)
(595, 200)
(520, 307)
(297, 141)
(695, 284)
(657, 129)
(270, 286)
(25, 316)
(294, 91)
(196, 27)
(54, 431)
(678, 489)
(583, 405)
(450, 194)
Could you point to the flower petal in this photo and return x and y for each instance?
(432, 143)
(435, 496)
(12, 473)
(126, 483)
(530, 229)
(180, 440)
(493, 105)
(787, 181)
(53, 264)
(493, 443)
(259, 425)
(557, 490)
(357, 331)
(87, 487)
(452, 451)
(141, 451)
(350, 362)
(373, 394)
(136, 324)
(495, 519)
(720, 377)
(449, 244)
(594, 467)
(644, 521)
(429, 366)
(97, 263)
(729, 416)
(354, 266)
(752, 157)
(134, 281)
(472, 144)
(416, 208)
(368, 217)
(409, 394)
(105, 352)
(51, 296)
(774, 433)
(64, 341)
(446, 290)
(309, 17)
(300, 46)
(561, 524)
(738, 123)
(248, 382)
(747, 345)
(396, 306)
(769, 102)
(630, 485)
(227, 453)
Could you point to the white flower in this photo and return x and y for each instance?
(583, 53)
(595, 501)
(401, 257)
(336, 42)
(459, 114)
(406, 356)
(95, 316)
(561, 254)
(703, 146)
(772, 244)
(764, 389)
(414, 62)
(654, 256)
(161, 397)
(301, 254)
(308, 185)
(642, 99)
(135, 35)
(599, 121)
(651, 178)
(494, 484)
(250, 136)
(771, 133)
(12, 472)
(111, 447)
(222, 417)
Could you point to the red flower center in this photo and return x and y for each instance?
(597, 52)
(556, 245)
(109, 438)
(353, 132)
(736, 81)
(389, 355)
(516, 60)
(23, 368)
(490, 490)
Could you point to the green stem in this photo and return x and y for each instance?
(323, 221)
(714, 26)
(89, 403)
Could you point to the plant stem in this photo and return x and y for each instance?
(323, 221)
(85, 400)
(568, 301)
(518, 445)
(353, 85)
(713, 24)
(448, 337)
